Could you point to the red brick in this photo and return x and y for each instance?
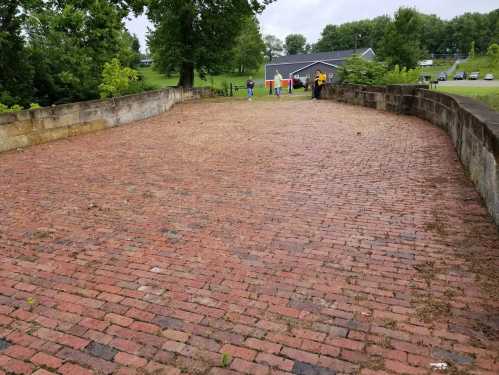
(145, 327)
(402, 368)
(90, 323)
(249, 367)
(120, 320)
(61, 338)
(176, 335)
(238, 352)
(346, 343)
(72, 369)
(310, 335)
(274, 361)
(263, 346)
(19, 352)
(129, 360)
(300, 355)
(46, 360)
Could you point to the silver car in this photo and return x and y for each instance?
(474, 75)
(489, 77)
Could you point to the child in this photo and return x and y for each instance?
(250, 85)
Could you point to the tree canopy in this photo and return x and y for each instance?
(295, 44)
(54, 51)
(197, 34)
(273, 47)
(434, 35)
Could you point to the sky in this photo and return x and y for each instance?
(308, 17)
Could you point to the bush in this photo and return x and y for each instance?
(399, 76)
(16, 108)
(359, 71)
(116, 80)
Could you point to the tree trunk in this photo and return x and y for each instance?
(186, 75)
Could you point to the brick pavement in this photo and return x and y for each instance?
(257, 238)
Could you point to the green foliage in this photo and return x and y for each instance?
(193, 35)
(364, 33)
(359, 71)
(434, 35)
(295, 44)
(54, 51)
(401, 76)
(273, 47)
(471, 53)
(225, 361)
(116, 79)
(248, 53)
(401, 45)
(493, 54)
(11, 109)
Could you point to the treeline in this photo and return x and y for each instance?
(434, 34)
(54, 51)
(407, 32)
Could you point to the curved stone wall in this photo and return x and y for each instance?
(42, 125)
(472, 126)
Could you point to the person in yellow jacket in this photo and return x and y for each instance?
(319, 82)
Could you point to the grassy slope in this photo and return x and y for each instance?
(157, 80)
(440, 66)
(480, 64)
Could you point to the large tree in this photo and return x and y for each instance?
(401, 43)
(54, 51)
(249, 51)
(16, 74)
(273, 47)
(197, 34)
(295, 44)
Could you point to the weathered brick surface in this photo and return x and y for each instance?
(286, 237)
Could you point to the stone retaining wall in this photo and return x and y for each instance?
(31, 127)
(472, 126)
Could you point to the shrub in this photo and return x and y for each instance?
(116, 79)
(14, 108)
(404, 75)
(359, 71)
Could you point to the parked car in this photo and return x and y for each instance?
(489, 77)
(442, 76)
(474, 75)
(460, 76)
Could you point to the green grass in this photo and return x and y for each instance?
(488, 95)
(480, 64)
(157, 80)
(439, 66)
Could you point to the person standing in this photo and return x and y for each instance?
(250, 86)
(278, 83)
(319, 82)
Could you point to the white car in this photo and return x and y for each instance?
(489, 77)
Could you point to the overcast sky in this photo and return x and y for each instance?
(308, 17)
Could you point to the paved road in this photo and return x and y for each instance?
(259, 238)
(468, 83)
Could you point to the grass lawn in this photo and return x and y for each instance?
(439, 66)
(488, 95)
(157, 80)
(480, 64)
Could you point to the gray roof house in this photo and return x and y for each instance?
(304, 66)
